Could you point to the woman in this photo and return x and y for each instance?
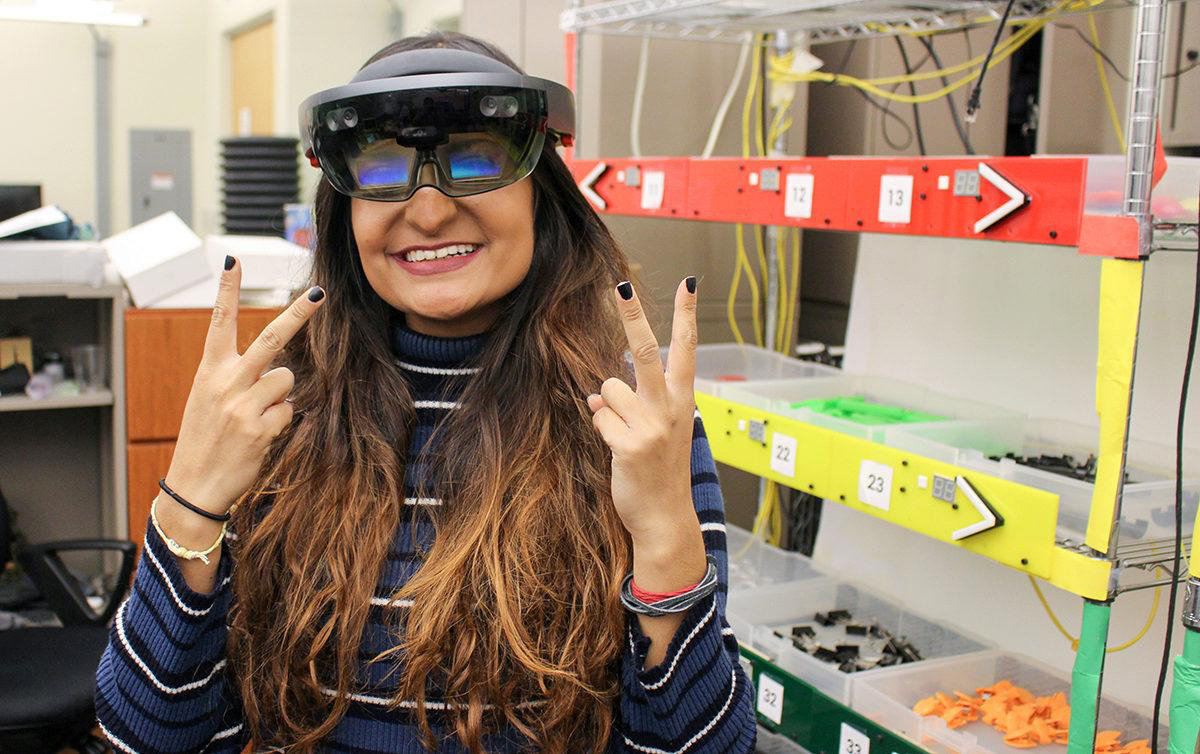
(436, 511)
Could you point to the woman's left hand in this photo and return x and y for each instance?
(649, 431)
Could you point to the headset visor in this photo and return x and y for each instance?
(462, 140)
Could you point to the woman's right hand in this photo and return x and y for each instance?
(234, 410)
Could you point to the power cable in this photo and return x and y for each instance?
(912, 89)
(963, 136)
(1187, 374)
(973, 100)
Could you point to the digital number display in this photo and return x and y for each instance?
(944, 488)
(966, 183)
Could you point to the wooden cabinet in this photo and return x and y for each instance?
(162, 350)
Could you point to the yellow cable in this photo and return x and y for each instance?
(744, 260)
(1074, 641)
(794, 297)
(1108, 96)
(732, 299)
(782, 299)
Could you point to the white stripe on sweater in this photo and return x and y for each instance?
(437, 404)
(146, 669)
(388, 602)
(422, 501)
(114, 740)
(436, 370)
(408, 704)
(171, 587)
(715, 526)
(682, 647)
(703, 731)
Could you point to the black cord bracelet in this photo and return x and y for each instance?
(221, 517)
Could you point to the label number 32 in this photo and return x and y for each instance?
(854, 741)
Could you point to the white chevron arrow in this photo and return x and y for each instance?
(589, 180)
(1016, 199)
(990, 518)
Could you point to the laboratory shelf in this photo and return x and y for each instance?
(82, 400)
(816, 20)
(1066, 201)
(789, 706)
(888, 697)
(780, 606)
(1001, 519)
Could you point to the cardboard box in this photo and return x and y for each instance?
(158, 258)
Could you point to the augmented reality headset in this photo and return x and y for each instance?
(459, 121)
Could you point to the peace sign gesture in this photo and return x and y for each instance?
(236, 407)
(649, 430)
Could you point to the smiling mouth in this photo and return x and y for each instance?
(424, 255)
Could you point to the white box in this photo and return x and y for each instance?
(52, 262)
(272, 270)
(158, 258)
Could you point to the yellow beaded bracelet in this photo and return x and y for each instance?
(180, 550)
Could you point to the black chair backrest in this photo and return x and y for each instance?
(5, 533)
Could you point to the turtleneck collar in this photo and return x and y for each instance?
(409, 345)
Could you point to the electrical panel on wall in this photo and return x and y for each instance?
(160, 164)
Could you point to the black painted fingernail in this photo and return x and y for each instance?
(625, 289)
(229, 262)
(316, 293)
(690, 282)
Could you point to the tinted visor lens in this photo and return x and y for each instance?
(461, 140)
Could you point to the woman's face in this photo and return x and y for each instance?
(458, 294)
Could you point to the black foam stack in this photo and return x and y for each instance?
(258, 175)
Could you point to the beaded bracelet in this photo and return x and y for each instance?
(675, 604)
(180, 550)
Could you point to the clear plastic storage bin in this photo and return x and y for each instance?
(887, 697)
(920, 406)
(754, 564)
(722, 364)
(1149, 493)
(779, 605)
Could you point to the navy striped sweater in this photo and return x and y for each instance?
(163, 684)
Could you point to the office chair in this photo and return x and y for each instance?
(48, 674)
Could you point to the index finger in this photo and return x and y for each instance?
(275, 335)
(222, 328)
(681, 358)
(643, 347)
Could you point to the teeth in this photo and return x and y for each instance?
(445, 251)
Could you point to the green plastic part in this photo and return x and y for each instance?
(1185, 696)
(1086, 677)
(863, 411)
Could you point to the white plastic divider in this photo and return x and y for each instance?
(887, 697)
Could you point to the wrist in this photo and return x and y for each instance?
(185, 527)
(674, 560)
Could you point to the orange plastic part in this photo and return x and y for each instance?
(1026, 720)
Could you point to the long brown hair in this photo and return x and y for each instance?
(518, 598)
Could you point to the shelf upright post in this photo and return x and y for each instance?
(780, 44)
(1120, 310)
